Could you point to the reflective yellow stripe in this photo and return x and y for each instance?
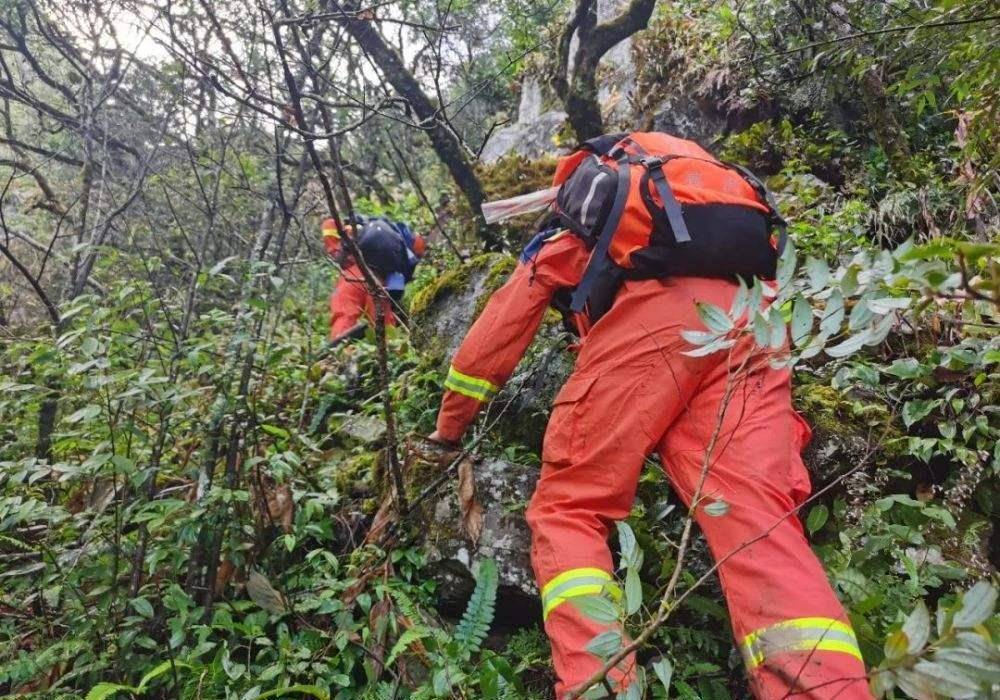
(327, 232)
(474, 387)
(800, 634)
(577, 582)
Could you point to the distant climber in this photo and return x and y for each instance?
(391, 250)
(645, 225)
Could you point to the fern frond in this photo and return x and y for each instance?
(475, 623)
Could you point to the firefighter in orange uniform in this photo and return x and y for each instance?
(390, 254)
(633, 392)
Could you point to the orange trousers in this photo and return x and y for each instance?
(349, 300)
(633, 392)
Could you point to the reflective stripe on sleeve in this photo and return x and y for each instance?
(330, 233)
(807, 634)
(577, 582)
(474, 387)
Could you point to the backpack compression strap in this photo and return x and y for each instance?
(599, 259)
(670, 204)
(777, 220)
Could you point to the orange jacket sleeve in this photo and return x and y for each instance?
(499, 337)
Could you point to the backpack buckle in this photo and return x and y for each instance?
(652, 162)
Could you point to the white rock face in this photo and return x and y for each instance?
(532, 134)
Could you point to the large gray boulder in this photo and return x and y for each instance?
(502, 490)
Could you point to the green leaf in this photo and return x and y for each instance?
(945, 681)
(664, 670)
(817, 519)
(833, 314)
(776, 328)
(896, 645)
(106, 690)
(717, 509)
(802, 319)
(886, 305)
(741, 301)
(722, 343)
(605, 644)
(313, 690)
(761, 331)
(818, 272)
(849, 346)
(714, 318)
(786, 266)
(626, 542)
(906, 368)
(407, 638)
(977, 605)
(699, 338)
(917, 628)
(143, 607)
(89, 346)
(475, 624)
(917, 409)
(274, 430)
(86, 413)
(597, 607)
(633, 591)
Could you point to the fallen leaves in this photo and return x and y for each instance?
(469, 506)
(264, 594)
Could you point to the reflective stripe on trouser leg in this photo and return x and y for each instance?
(803, 634)
(467, 385)
(574, 583)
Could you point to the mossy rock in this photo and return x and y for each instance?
(443, 310)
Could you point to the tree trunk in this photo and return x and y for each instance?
(578, 88)
(445, 143)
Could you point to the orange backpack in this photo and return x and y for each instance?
(652, 205)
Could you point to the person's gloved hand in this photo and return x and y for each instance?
(436, 437)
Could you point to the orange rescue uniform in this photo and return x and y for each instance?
(350, 297)
(632, 392)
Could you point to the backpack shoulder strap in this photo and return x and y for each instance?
(599, 260)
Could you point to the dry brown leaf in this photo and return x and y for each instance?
(471, 508)
(264, 594)
(383, 517)
(223, 575)
(280, 506)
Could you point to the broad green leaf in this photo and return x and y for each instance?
(106, 690)
(849, 346)
(977, 605)
(761, 331)
(896, 645)
(626, 542)
(740, 301)
(715, 346)
(313, 690)
(906, 368)
(786, 266)
(818, 272)
(946, 681)
(833, 314)
(717, 509)
(633, 591)
(605, 644)
(714, 318)
(699, 337)
(664, 670)
(801, 321)
(817, 519)
(917, 628)
(274, 430)
(776, 328)
(917, 409)
(888, 304)
(143, 607)
(860, 316)
(598, 608)
(86, 413)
